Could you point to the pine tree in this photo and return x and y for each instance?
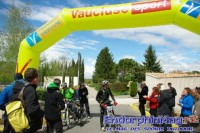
(79, 66)
(151, 64)
(104, 66)
(82, 69)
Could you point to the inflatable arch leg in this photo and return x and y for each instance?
(183, 13)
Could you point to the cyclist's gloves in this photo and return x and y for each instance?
(103, 105)
(115, 103)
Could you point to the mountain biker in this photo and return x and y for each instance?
(102, 98)
(68, 94)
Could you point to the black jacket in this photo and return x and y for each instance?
(103, 95)
(163, 99)
(32, 107)
(83, 97)
(143, 92)
(173, 91)
(53, 104)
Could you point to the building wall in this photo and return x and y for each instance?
(178, 83)
(49, 79)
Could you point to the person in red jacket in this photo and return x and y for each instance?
(153, 101)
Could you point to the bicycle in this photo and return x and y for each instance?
(109, 111)
(82, 112)
(69, 116)
(66, 115)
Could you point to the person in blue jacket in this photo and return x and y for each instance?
(186, 102)
(4, 98)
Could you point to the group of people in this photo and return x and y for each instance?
(162, 102)
(55, 98)
(55, 102)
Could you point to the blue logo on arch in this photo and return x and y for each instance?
(191, 8)
(33, 39)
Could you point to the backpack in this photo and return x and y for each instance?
(16, 113)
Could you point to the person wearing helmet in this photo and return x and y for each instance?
(102, 98)
(53, 105)
(67, 92)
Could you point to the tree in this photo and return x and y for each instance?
(104, 66)
(126, 69)
(151, 64)
(16, 29)
(79, 65)
(82, 69)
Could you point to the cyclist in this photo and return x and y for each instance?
(68, 94)
(102, 98)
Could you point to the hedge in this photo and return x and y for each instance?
(40, 93)
(119, 87)
(133, 89)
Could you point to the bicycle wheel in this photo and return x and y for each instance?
(65, 118)
(83, 115)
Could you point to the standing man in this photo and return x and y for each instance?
(144, 91)
(4, 98)
(32, 107)
(173, 91)
(53, 105)
(83, 93)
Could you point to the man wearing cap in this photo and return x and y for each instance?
(4, 98)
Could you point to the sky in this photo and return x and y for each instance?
(176, 48)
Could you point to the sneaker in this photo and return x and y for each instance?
(103, 129)
(89, 117)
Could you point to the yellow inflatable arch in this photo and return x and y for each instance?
(183, 13)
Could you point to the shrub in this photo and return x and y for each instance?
(40, 93)
(118, 87)
(133, 89)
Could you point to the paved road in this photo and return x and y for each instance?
(93, 125)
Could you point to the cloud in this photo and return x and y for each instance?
(3, 11)
(158, 35)
(89, 71)
(77, 3)
(17, 3)
(68, 47)
(177, 61)
(89, 67)
(44, 13)
(128, 56)
(38, 13)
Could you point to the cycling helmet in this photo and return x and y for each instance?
(104, 82)
(64, 85)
